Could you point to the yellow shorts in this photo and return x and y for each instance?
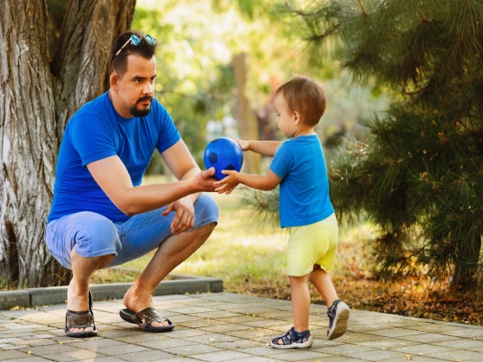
(312, 244)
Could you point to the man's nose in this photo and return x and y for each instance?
(149, 88)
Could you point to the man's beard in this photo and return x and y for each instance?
(141, 112)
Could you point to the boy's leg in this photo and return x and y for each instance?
(300, 294)
(338, 312)
(323, 283)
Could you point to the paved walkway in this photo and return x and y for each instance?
(228, 327)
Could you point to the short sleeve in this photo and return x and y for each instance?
(92, 138)
(282, 161)
(168, 133)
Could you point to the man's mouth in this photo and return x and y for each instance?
(145, 100)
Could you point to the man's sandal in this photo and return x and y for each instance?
(84, 320)
(293, 339)
(145, 318)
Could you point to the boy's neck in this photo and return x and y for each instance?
(304, 131)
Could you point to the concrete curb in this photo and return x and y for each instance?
(179, 284)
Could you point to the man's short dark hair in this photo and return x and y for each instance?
(118, 63)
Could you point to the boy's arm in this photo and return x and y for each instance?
(260, 182)
(265, 148)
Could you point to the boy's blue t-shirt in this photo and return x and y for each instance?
(95, 132)
(304, 190)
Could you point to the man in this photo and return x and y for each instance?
(101, 216)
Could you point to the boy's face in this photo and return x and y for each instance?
(286, 120)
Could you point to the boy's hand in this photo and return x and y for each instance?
(227, 185)
(244, 145)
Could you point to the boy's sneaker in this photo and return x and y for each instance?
(293, 339)
(338, 314)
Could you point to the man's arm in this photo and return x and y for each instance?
(112, 176)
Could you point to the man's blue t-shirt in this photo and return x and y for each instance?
(304, 190)
(95, 132)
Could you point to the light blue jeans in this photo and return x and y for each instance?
(92, 234)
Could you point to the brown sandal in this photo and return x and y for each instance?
(145, 318)
(84, 320)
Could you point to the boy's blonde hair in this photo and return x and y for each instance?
(306, 96)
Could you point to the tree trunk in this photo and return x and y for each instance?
(466, 265)
(246, 117)
(35, 103)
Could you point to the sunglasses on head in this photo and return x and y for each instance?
(135, 40)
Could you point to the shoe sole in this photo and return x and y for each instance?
(340, 321)
(294, 345)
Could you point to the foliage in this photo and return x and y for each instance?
(419, 175)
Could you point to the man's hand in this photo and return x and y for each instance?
(184, 215)
(204, 180)
(227, 185)
(184, 207)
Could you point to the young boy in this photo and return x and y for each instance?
(305, 208)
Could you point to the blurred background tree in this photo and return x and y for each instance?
(196, 79)
(418, 174)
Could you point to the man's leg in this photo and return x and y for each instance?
(83, 242)
(172, 252)
(151, 231)
(78, 291)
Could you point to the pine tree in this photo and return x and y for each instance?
(419, 175)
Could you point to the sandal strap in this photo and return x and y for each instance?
(286, 339)
(149, 315)
(292, 336)
(75, 319)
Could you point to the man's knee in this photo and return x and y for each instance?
(206, 211)
(97, 236)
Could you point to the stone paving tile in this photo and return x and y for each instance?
(428, 337)
(423, 349)
(297, 355)
(165, 344)
(459, 355)
(394, 332)
(149, 355)
(239, 344)
(222, 356)
(191, 349)
(381, 355)
(224, 326)
(216, 314)
(12, 354)
(211, 338)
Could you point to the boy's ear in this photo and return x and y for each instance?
(296, 117)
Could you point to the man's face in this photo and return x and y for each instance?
(135, 90)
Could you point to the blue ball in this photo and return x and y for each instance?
(223, 154)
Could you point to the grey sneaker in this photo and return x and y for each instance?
(338, 314)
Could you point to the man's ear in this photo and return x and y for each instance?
(113, 79)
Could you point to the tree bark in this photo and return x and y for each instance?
(36, 100)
